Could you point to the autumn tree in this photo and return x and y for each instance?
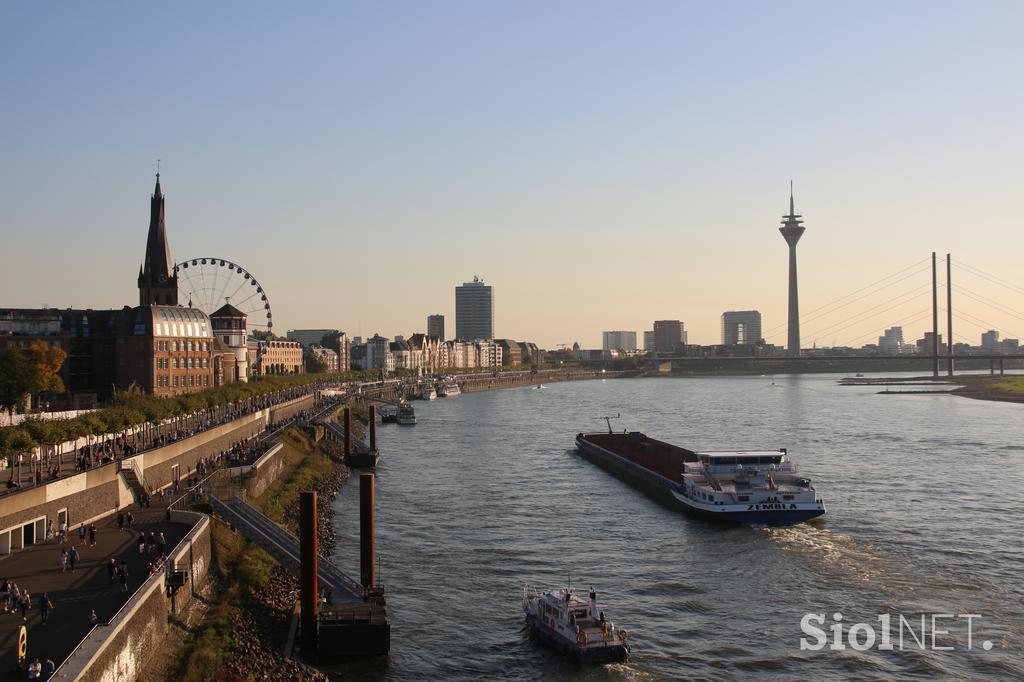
(46, 361)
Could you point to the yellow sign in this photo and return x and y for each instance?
(22, 645)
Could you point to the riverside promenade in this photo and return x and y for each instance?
(74, 594)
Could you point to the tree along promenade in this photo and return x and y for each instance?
(49, 462)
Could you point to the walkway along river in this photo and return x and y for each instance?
(486, 494)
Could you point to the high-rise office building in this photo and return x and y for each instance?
(435, 326)
(474, 310)
(619, 340)
(741, 327)
(669, 335)
(891, 341)
(309, 337)
(990, 340)
(649, 340)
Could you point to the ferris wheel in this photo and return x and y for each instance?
(209, 283)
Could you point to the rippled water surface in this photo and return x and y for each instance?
(485, 494)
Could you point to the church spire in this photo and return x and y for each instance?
(158, 284)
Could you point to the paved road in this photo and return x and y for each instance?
(74, 594)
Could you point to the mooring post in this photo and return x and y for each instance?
(348, 432)
(373, 427)
(308, 569)
(367, 574)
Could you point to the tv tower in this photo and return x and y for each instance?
(792, 229)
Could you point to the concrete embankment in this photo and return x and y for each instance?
(243, 637)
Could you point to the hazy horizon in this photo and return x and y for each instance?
(602, 166)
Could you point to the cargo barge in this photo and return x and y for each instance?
(747, 487)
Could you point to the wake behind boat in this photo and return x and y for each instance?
(748, 487)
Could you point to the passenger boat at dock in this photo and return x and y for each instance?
(760, 488)
(449, 388)
(574, 626)
(428, 392)
(406, 414)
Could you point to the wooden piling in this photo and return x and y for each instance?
(367, 571)
(308, 569)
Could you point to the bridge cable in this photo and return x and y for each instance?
(813, 312)
(991, 278)
(983, 324)
(906, 321)
(863, 316)
(988, 301)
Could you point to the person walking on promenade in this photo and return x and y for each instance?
(35, 670)
(81, 533)
(44, 606)
(73, 557)
(25, 603)
(63, 559)
(15, 597)
(142, 543)
(124, 576)
(51, 531)
(120, 521)
(161, 543)
(5, 594)
(111, 569)
(93, 618)
(63, 532)
(49, 668)
(151, 543)
(92, 535)
(130, 520)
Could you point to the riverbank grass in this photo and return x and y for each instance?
(304, 466)
(1014, 384)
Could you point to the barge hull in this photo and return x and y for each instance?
(643, 463)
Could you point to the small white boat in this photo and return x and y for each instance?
(428, 392)
(575, 626)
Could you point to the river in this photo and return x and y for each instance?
(486, 494)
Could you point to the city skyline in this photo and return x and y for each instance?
(501, 164)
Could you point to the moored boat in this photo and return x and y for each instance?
(406, 414)
(428, 392)
(746, 487)
(449, 388)
(574, 626)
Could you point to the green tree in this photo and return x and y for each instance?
(18, 378)
(315, 364)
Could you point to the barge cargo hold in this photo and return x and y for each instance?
(747, 487)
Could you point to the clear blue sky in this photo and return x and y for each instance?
(601, 164)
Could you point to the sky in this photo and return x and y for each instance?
(601, 164)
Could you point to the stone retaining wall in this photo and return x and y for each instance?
(265, 471)
(90, 495)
